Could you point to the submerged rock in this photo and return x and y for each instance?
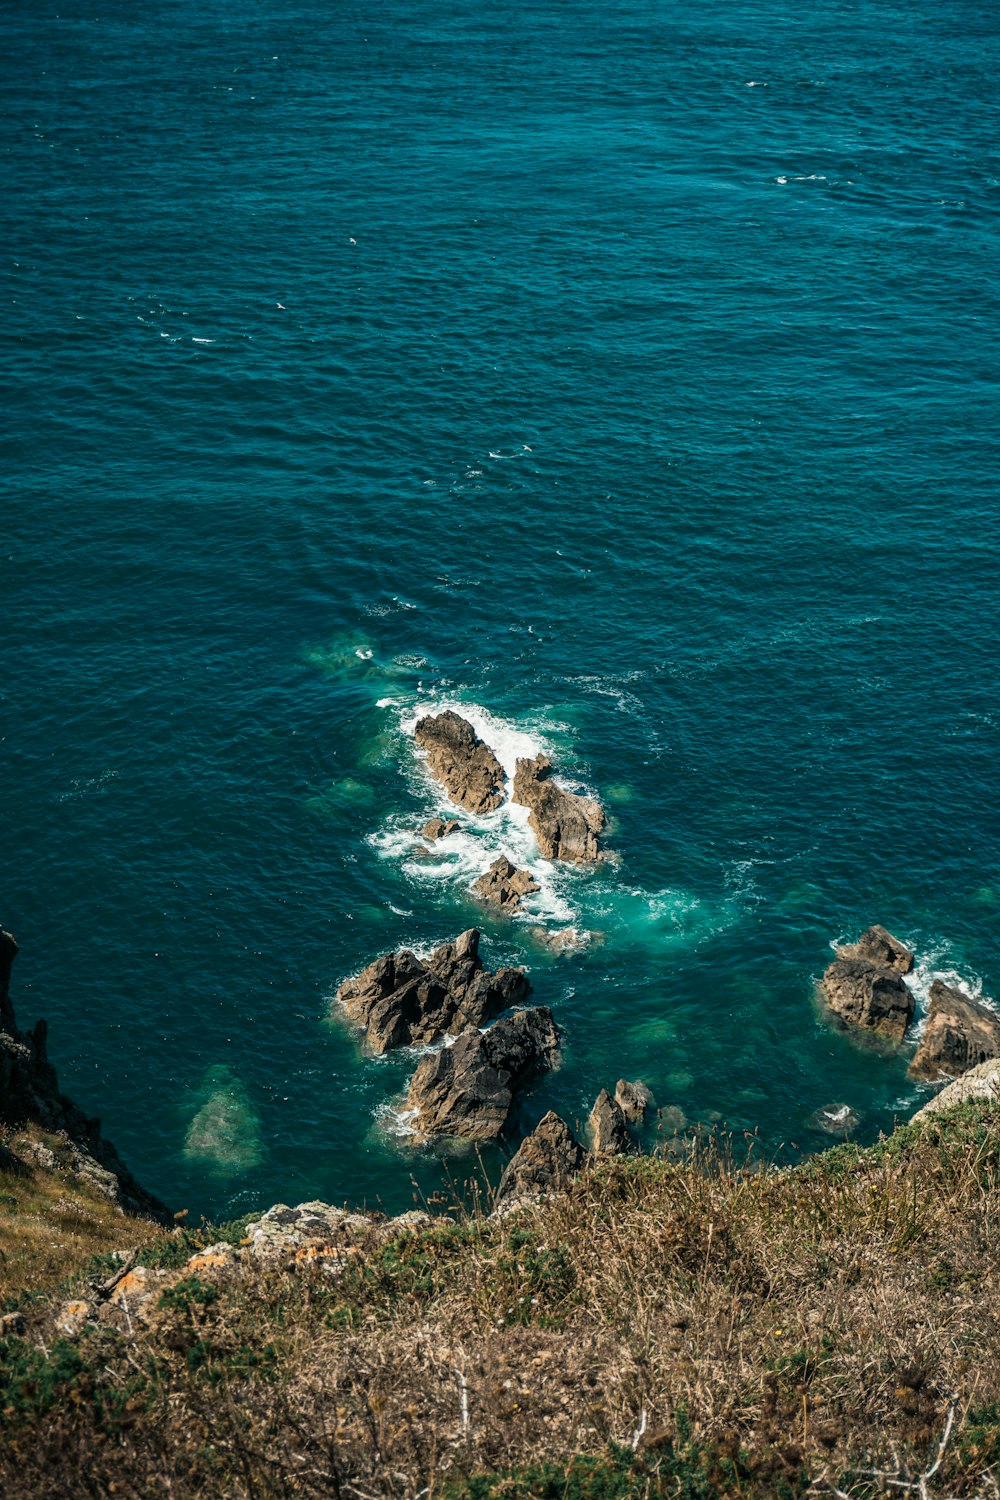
(401, 999)
(633, 1099)
(981, 1082)
(608, 1132)
(960, 1033)
(868, 996)
(879, 948)
(437, 828)
(464, 765)
(467, 1090)
(565, 824)
(566, 939)
(504, 884)
(835, 1119)
(546, 1161)
(224, 1133)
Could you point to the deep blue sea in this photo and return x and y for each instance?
(623, 373)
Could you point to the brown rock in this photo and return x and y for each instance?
(12, 1325)
(545, 1162)
(879, 948)
(863, 995)
(468, 1090)
(437, 828)
(633, 1099)
(401, 999)
(608, 1132)
(466, 767)
(565, 824)
(960, 1033)
(566, 939)
(72, 1318)
(504, 884)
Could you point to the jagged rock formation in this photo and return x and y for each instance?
(401, 999)
(546, 1161)
(317, 1229)
(29, 1091)
(981, 1082)
(864, 986)
(467, 1090)
(608, 1131)
(960, 1033)
(437, 828)
(465, 766)
(633, 1099)
(504, 885)
(565, 824)
(879, 948)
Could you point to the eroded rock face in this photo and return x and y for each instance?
(862, 994)
(608, 1131)
(437, 828)
(881, 949)
(960, 1033)
(565, 824)
(401, 999)
(981, 1082)
(465, 766)
(545, 1162)
(468, 1090)
(504, 885)
(633, 1099)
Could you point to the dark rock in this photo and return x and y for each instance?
(401, 999)
(608, 1132)
(863, 995)
(437, 828)
(545, 1162)
(879, 948)
(466, 767)
(468, 1090)
(633, 1099)
(565, 824)
(960, 1033)
(30, 1093)
(504, 884)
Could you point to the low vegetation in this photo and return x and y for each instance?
(706, 1328)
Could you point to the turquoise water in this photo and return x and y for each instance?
(627, 373)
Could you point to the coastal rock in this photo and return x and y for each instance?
(437, 828)
(401, 999)
(565, 824)
(29, 1091)
(545, 1162)
(879, 948)
(981, 1082)
(877, 999)
(835, 1119)
(467, 1090)
(465, 766)
(318, 1232)
(608, 1132)
(960, 1033)
(633, 1099)
(504, 884)
(566, 939)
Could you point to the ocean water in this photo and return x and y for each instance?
(624, 374)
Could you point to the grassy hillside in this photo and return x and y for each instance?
(692, 1329)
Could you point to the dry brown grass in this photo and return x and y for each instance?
(702, 1329)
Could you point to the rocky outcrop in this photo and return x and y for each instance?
(29, 1092)
(835, 1119)
(608, 1132)
(468, 1090)
(980, 1083)
(546, 1161)
(401, 999)
(565, 824)
(456, 757)
(437, 828)
(960, 1033)
(633, 1099)
(504, 885)
(879, 948)
(566, 940)
(864, 995)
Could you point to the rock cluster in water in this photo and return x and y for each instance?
(865, 986)
(504, 885)
(401, 999)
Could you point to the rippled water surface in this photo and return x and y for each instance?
(626, 374)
